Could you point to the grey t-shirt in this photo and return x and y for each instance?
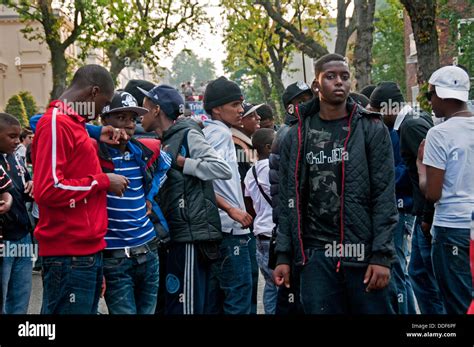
(450, 147)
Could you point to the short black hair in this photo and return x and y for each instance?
(318, 65)
(261, 138)
(265, 112)
(7, 120)
(94, 75)
(25, 132)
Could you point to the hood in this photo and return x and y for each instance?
(179, 126)
(240, 135)
(312, 107)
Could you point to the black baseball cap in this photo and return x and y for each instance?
(123, 102)
(294, 90)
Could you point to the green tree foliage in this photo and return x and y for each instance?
(461, 33)
(142, 30)
(16, 107)
(188, 67)
(259, 49)
(29, 102)
(388, 50)
(81, 17)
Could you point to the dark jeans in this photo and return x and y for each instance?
(163, 259)
(254, 266)
(72, 284)
(405, 295)
(187, 280)
(231, 278)
(421, 274)
(325, 291)
(450, 254)
(132, 284)
(288, 299)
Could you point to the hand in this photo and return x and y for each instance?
(240, 216)
(29, 188)
(103, 287)
(377, 276)
(180, 160)
(149, 207)
(421, 150)
(118, 184)
(419, 160)
(426, 228)
(112, 135)
(281, 275)
(5, 204)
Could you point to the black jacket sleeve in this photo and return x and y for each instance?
(274, 162)
(382, 187)
(283, 246)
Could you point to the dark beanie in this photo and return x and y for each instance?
(220, 92)
(384, 92)
(367, 90)
(131, 88)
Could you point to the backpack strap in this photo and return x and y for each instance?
(254, 171)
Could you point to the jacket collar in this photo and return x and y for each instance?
(66, 109)
(240, 135)
(312, 107)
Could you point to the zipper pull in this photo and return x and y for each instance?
(338, 266)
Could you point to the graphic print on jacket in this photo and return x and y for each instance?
(324, 156)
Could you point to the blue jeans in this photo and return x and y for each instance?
(421, 274)
(230, 289)
(325, 291)
(72, 284)
(405, 295)
(16, 276)
(450, 254)
(270, 290)
(132, 284)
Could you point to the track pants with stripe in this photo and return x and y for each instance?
(187, 280)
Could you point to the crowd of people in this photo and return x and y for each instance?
(356, 204)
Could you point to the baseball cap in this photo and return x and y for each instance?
(294, 90)
(168, 98)
(131, 88)
(249, 108)
(451, 82)
(123, 102)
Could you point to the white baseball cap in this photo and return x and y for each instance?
(451, 82)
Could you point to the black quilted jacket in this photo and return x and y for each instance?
(368, 205)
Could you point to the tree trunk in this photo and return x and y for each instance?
(276, 73)
(343, 31)
(116, 63)
(365, 10)
(423, 21)
(267, 90)
(59, 66)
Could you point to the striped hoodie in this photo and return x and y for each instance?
(70, 187)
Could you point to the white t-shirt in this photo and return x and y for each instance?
(450, 147)
(263, 223)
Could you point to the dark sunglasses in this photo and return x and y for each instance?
(429, 95)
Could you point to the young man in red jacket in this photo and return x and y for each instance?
(70, 190)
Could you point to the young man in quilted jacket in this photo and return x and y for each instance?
(337, 200)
